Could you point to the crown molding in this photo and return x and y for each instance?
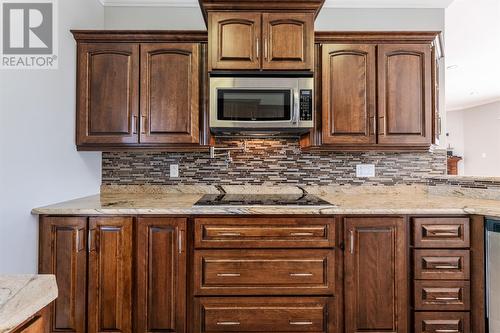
(328, 3)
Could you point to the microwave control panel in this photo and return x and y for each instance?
(306, 105)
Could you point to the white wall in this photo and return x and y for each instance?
(479, 128)
(328, 19)
(39, 164)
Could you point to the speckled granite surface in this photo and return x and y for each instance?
(413, 199)
(22, 296)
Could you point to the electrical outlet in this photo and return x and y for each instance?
(365, 170)
(174, 171)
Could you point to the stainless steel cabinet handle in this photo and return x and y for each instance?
(447, 331)
(258, 48)
(229, 234)
(181, 236)
(446, 267)
(134, 125)
(228, 274)
(352, 241)
(301, 323)
(143, 124)
(300, 274)
(303, 234)
(228, 323)
(266, 55)
(447, 299)
(444, 233)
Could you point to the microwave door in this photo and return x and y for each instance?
(257, 107)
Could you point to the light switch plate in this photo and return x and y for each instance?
(174, 171)
(365, 170)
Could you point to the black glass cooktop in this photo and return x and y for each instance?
(261, 200)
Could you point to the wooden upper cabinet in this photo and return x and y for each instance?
(110, 275)
(170, 93)
(405, 94)
(108, 93)
(376, 275)
(161, 275)
(288, 41)
(63, 253)
(254, 41)
(349, 94)
(234, 40)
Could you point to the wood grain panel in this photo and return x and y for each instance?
(62, 252)
(442, 295)
(441, 232)
(161, 275)
(349, 98)
(234, 40)
(110, 275)
(264, 315)
(107, 93)
(442, 322)
(405, 94)
(375, 275)
(288, 41)
(264, 272)
(255, 232)
(442, 264)
(170, 93)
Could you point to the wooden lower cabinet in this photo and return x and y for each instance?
(63, 252)
(229, 274)
(376, 275)
(161, 275)
(262, 314)
(110, 275)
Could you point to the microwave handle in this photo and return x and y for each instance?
(296, 109)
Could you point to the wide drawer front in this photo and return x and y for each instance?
(263, 272)
(441, 232)
(442, 264)
(262, 315)
(264, 232)
(442, 295)
(442, 322)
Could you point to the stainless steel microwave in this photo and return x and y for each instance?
(241, 105)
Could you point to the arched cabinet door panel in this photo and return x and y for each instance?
(108, 93)
(405, 94)
(349, 94)
(170, 93)
(234, 40)
(288, 41)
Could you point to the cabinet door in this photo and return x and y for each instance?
(234, 40)
(376, 275)
(170, 93)
(110, 275)
(288, 41)
(405, 94)
(161, 275)
(108, 93)
(63, 253)
(349, 94)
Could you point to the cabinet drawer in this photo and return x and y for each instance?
(264, 272)
(442, 322)
(262, 315)
(442, 295)
(442, 264)
(441, 232)
(264, 232)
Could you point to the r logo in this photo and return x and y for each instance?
(27, 28)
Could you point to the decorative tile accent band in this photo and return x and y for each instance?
(270, 162)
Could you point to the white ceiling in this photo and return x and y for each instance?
(329, 3)
(473, 44)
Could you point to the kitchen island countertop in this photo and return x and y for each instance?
(22, 296)
(407, 200)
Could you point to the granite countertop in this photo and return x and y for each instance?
(345, 200)
(22, 296)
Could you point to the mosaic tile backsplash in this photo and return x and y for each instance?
(270, 162)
